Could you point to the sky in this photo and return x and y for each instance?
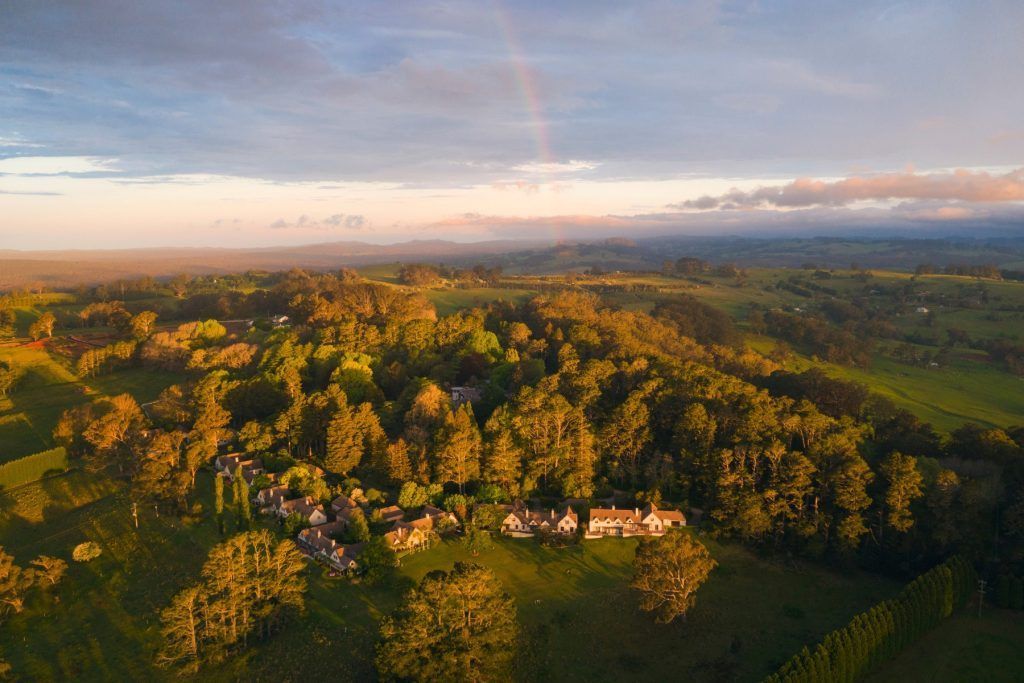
(249, 123)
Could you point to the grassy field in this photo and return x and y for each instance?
(963, 648)
(29, 413)
(107, 608)
(578, 614)
(448, 301)
(583, 624)
(968, 390)
(382, 272)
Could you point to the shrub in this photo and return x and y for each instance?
(86, 552)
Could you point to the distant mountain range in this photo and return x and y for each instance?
(65, 268)
(68, 268)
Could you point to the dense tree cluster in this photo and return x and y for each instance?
(250, 584)
(458, 625)
(423, 275)
(105, 359)
(843, 345)
(576, 398)
(42, 326)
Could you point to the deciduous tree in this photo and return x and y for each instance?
(667, 571)
(43, 326)
(14, 583)
(51, 569)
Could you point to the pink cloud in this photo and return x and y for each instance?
(521, 185)
(962, 185)
(498, 222)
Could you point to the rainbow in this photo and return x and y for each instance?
(527, 87)
(528, 90)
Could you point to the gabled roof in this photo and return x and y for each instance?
(623, 516)
(303, 506)
(319, 537)
(346, 554)
(343, 501)
(222, 461)
(273, 494)
(543, 519)
(423, 523)
(671, 516)
(431, 511)
(634, 516)
(401, 533)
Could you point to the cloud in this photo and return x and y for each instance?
(520, 185)
(553, 167)
(333, 222)
(55, 165)
(908, 217)
(32, 194)
(16, 140)
(410, 92)
(349, 221)
(962, 185)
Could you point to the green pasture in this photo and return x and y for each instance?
(969, 389)
(965, 647)
(448, 301)
(29, 413)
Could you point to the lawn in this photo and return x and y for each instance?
(578, 614)
(580, 618)
(963, 648)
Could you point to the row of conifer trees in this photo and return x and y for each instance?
(105, 359)
(870, 638)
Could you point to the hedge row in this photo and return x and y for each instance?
(849, 653)
(32, 467)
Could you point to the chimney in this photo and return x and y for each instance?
(613, 506)
(636, 511)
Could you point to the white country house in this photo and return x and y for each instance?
(649, 521)
(520, 522)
